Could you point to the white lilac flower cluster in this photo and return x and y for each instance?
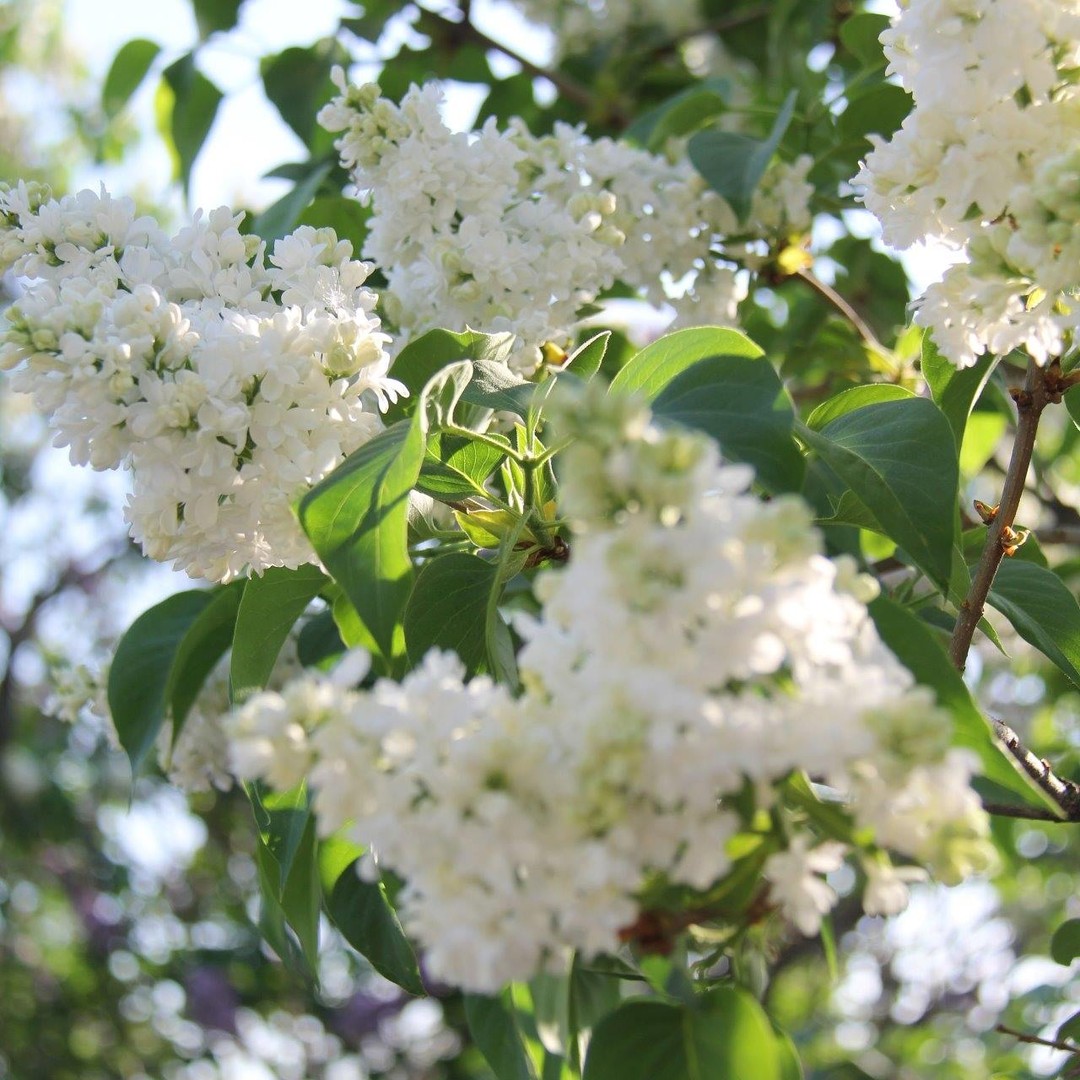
(225, 378)
(506, 231)
(988, 161)
(697, 645)
(578, 26)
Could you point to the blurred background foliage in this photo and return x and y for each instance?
(128, 938)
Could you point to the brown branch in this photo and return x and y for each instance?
(1038, 391)
(1064, 793)
(568, 87)
(1035, 1040)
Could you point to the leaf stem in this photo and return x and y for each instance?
(1036, 394)
(862, 327)
(487, 440)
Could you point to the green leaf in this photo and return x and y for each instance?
(743, 405)
(1071, 397)
(211, 15)
(346, 217)
(1043, 611)
(687, 111)
(139, 674)
(920, 651)
(448, 609)
(725, 1036)
(287, 859)
(954, 390)
(1065, 944)
(878, 110)
(859, 35)
(297, 82)
(428, 354)
(585, 360)
(1070, 1029)
(200, 649)
(186, 113)
(357, 521)
(494, 1028)
(495, 386)
(899, 458)
(319, 640)
(270, 606)
(281, 217)
(456, 467)
(732, 164)
(790, 1065)
(367, 920)
(567, 1007)
(660, 362)
(855, 398)
(126, 74)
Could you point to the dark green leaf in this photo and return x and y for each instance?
(297, 82)
(189, 118)
(428, 354)
(361, 911)
(852, 399)
(448, 609)
(346, 217)
(899, 458)
(288, 873)
(732, 164)
(357, 520)
(1065, 944)
(859, 35)
(270, 606)
(1042, 609)
(139, 675)
(919, 650)
(955, 390)
(129, 68)
(686, 113)
(281, 217)
(567, 1007)
(319, 640)
(726, 1036)
(680, 114)
(202, 647)
(214, 15)
(1070, 1029)
(494, 1028)
(657, 364)
(743, 405)
(879, 110)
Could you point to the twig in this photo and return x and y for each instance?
(1065, 793)
(862, 327)
(1023, 813)
(1035, 1040)
(570, 88)
(1030, 402)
